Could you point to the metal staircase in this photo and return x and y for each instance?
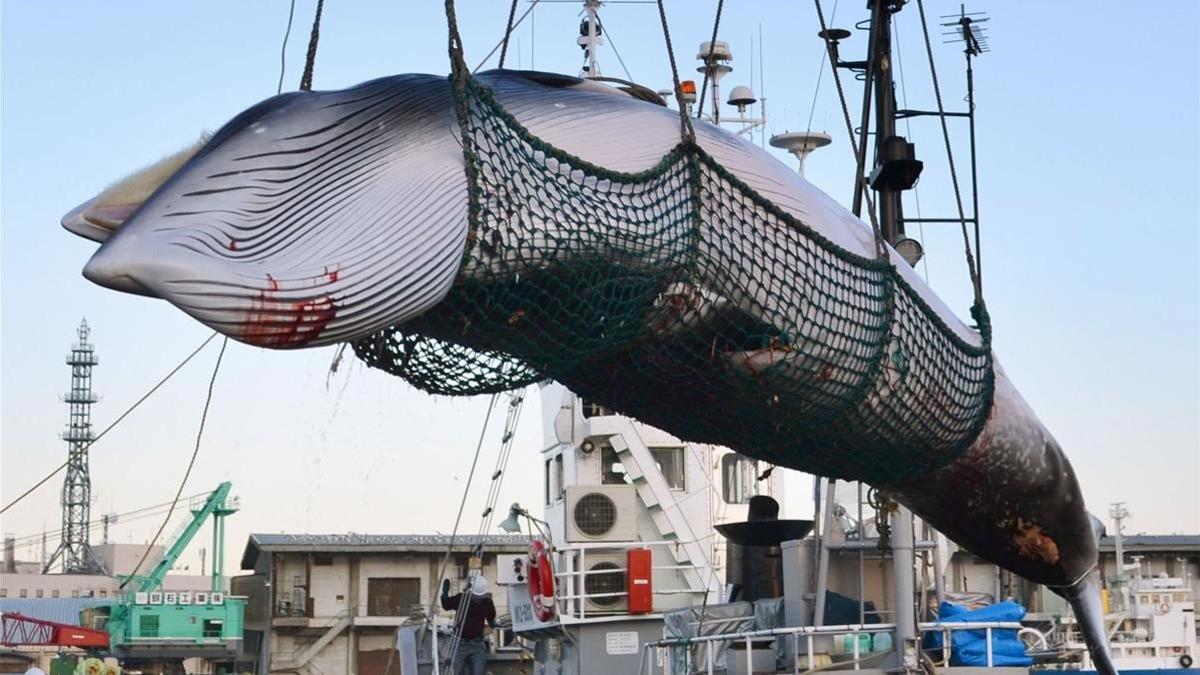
(654, 492)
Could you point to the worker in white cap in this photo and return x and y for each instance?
(474, 609)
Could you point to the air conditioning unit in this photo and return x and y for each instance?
(201, 598)
(156, 598)
(216, 598)
(604, 585)
(141, 598)
(601, 513)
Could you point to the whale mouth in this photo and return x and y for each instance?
(95, 222)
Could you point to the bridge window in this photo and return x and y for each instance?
(739, 478)
(612, 471)
(671, 465)
(591, 409)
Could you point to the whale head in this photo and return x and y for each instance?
(310, 218)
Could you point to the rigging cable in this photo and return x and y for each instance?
(532, 4)
(310, 59)
(508, 29)
(820, 72)
(976, 282)
(712, 48)
(614, 48)
(191, 463)
(287, 32)
(515, 400)
(908, 130)
(837, 80)
(114, 423)
(135, 514)
(431, 615)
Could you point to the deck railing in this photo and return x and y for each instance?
(810, 633)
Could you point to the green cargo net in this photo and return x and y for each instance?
(681, 297)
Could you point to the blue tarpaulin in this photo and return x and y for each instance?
(969, 647)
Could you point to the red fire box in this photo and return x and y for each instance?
(637, 581)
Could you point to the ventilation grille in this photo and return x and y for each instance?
(598, 581)
(595, 514)
(148, 625)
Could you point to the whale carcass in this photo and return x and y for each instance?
(534, 226)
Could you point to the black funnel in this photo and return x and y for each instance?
(763, 527)
(753, 561)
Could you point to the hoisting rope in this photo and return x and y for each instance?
(880, 247)
(191, 463)
(431, 614)
(515, 400)
(712, 48)
(508, 29)
(110, 427)
(685, 124)
(310, 58)
(972, 267)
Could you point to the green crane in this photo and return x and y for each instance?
(149, 623)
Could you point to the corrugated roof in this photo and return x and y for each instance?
(1160, 542)
(59, 610)
(375, 543)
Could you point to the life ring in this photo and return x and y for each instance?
(1185, 661)
(1163, 608)
(541, 581)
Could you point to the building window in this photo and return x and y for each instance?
(24, 592)
(54, 593)
(393, 597)
(671, 465)
(3, 592)
(323, 559)
(40, 593)
(75, 593)
(739, 478)
(612, 471)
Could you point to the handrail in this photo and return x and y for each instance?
(795, 632)
(571, 573)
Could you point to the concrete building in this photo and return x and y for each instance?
(24, 580)
(331, 603)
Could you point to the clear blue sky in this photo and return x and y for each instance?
(1088, 141)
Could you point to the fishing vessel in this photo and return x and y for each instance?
(1150, 616)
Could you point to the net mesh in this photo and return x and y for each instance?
(681, 297)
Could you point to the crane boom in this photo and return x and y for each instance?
(214, 506)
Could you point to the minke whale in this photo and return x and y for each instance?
(323, 217)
